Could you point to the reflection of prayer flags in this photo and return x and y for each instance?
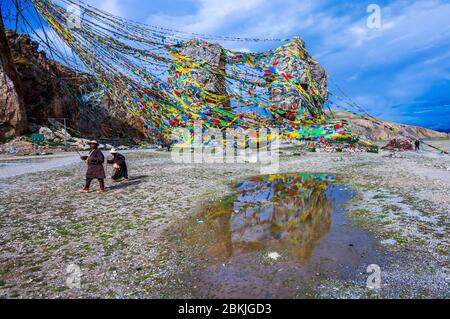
(174, 122)
(287, 77)
(270, 70)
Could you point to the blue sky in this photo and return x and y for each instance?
(399, 72)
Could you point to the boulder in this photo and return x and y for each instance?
(293, 61)
(400, 144)
(80, 140)
(61, 133)
(48, 134)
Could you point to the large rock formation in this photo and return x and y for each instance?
(214, 56)
(102, 113)
(51, 88)
(13, 119)
(54, 91)
(292, 62)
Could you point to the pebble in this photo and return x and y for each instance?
(274, 255)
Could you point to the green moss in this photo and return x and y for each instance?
(347, 140)
(77, 227)
(87, 248)
(92, 289)
(62, 231)
(443, 251)
(360, 212)
(399, 238)
(60, 289)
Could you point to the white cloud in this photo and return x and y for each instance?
(112, 6)
(212, 15)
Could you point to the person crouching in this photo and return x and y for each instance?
(119, 165)
(95, 169)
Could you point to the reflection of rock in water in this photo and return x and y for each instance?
(287, 212)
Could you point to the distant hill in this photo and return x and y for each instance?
(380, 132)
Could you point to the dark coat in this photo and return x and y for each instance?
(95, 165)
(122, 172)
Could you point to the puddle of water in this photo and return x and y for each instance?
(275, 234)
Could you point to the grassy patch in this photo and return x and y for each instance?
(87, 248)
(60, 289)
(399, 238)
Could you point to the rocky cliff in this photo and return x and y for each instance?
(13, 119)
(54, 91)
(383, 132)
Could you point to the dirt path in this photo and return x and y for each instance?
(125, 241)
(16, 167)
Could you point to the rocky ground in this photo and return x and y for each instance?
(128, 241)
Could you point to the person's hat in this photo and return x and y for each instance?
(113, 151)
(93, 142)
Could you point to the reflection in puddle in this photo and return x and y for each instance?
(296, 216)
(288, 212)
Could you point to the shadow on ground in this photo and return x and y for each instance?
(133, 181)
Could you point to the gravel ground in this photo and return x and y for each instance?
(126, 242)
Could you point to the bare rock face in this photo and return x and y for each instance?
(50, 87)
(13, 118)
(48, 134)
(12, 115)
(294, 64)
(214, 56)
(54, 91)
(102, 114)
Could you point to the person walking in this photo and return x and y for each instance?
(95, 169)
(417, 145)
(119, 165)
